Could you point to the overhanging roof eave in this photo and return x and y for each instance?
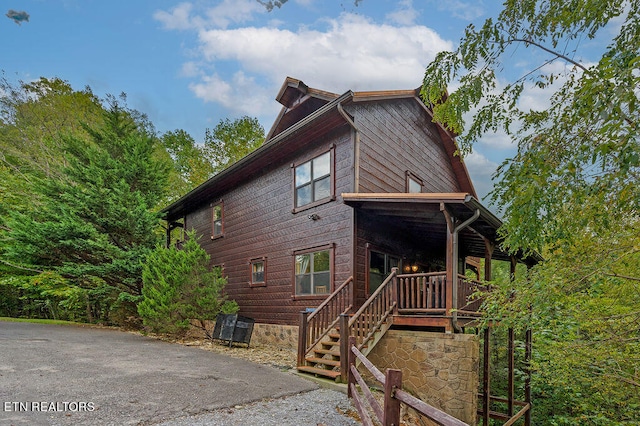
(253, 156)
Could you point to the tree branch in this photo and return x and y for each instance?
(626, 277)
(546, 49)
(20, 267)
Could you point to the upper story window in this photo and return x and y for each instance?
(313, 272)
(313, 181)
(414, 183)
(217, 228)
(258, 272)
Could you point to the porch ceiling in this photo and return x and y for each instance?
(422, 212)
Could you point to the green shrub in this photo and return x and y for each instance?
(178, 286)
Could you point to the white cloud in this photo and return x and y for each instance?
(177, 19)
(240, 94)
(481, 170)
(405, 14)
(352, 52)
(221, 16)
(466, 10)
(233, 11)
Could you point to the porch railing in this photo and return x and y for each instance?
(375, 312)
(316, 325)
(468, 302)
(422, 293)
(426, 293)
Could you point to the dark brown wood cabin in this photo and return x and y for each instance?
(344, 189)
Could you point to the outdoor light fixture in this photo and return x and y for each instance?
(414, 268)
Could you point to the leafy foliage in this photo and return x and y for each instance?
(191, 164)
(230, 140)
(95, 224)
(179, 287)
(570, 192)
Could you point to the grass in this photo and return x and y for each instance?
(41, 321)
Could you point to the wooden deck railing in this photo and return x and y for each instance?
(316, 325)
(467, 302)
(374, 313)
(389, 413)
(422, 293)
(426, 293)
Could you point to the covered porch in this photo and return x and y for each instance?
(438, 240)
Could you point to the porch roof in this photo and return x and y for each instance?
(423, 213)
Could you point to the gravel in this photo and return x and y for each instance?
(321, 407)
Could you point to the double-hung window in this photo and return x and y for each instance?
(258, 272)
(313, 180)
(313, 273)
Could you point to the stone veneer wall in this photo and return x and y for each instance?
(439, 368)
(281, 336)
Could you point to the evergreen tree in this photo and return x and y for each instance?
(179, 286)
(95, 225)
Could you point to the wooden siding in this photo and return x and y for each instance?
(397, 136)
(258, 222)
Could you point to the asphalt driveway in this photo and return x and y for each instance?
(52, 375)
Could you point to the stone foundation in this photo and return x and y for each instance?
(441, 369)
(280, 336)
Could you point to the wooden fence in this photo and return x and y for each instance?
(394, 396)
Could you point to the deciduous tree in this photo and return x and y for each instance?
(571, 191)
(231, 140)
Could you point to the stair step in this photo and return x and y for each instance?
(335, 336)
(320, 372)
(329, 343)
(327, 352)
(315, 360)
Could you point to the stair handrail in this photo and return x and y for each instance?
(306, 340)
(390, 283)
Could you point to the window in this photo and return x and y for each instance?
(380, 265)
(313, 180)
(258, 272)
(313, 273)
(414, 183)
(217, 227)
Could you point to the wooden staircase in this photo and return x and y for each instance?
(324, 334)
(324, 359)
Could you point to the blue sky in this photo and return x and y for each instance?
(188, 65)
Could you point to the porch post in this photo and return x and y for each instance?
(302, 337)
(488, 254)
(486, 379)
(344, 346)
(450, 259)
(511, 388)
